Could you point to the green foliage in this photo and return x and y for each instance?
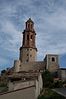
(47, 79)
(51, 97)
(58, 84)
(3, 72)
(41, 97)
(3, 89)
(49, 94)
(64, 82)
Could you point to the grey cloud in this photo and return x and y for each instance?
(50, 24)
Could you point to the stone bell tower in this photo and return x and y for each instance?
(28, 49)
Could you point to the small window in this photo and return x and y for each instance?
(20, 65)
(53, 59)
(30, 55)
(30, 49)
(31, 36)
(27, 60)
(27, 54)
(27, 37)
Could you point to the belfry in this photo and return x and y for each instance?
(28, 49)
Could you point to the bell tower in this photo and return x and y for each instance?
(28, 49)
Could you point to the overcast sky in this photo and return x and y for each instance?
(49, 17)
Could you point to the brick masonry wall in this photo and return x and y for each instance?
(32, 66)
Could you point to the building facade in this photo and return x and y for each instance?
(28, 52)
(51, 62)
(62, 73)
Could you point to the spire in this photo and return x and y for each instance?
(30, 20)
(29, 24)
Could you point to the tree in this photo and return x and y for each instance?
(3, 72)
(47, 79)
